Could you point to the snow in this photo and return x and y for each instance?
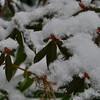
(9, 43)
(2, 2)
(73, 25)
(86, 54)
(86, 2)
(39, 68)
(87, 94)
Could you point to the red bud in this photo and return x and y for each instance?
(86, 75)
(82, 6)
(98, 29)
(52, 36)
(6, 50)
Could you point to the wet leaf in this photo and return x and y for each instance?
(8, 67)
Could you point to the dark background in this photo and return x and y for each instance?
(29, 2)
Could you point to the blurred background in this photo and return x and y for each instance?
(29, 2)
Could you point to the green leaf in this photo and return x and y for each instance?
(26, 83)
(46, 40)
(8, 67)
(3, 95)
(67, 97)
(2, 58)
(12, 34)
(36, 27)
(51, 53)
(97, 40)
(34, 94)
(58, 94)
(20, 56)
(75, 86)
(4, 92)
(40, 54)
(64, 51)
(12, 54)
(19, 38)
(95, 98)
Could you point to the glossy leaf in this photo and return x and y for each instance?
(8, 67)
(2, 57)
(26, 83)
(40, 54)
(51, 53)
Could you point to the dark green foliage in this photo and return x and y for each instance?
(50, 51)
(40, 55)
(3, 92)
(13, 33)
(51, 54)
(64, 50)
(3, 95)
(37, 93)
(8, 67)
(19, 37)
(97, 40)
(34, 94)
(96, 98)
(77, 85)
(97, 10)
(36, 27)
(66, 97)
(20, 56)
(74, 87)
(46, 40)
(2, 58)
(39, 25)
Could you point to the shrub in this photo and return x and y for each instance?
(55, 44)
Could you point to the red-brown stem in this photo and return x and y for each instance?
(24, 70)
